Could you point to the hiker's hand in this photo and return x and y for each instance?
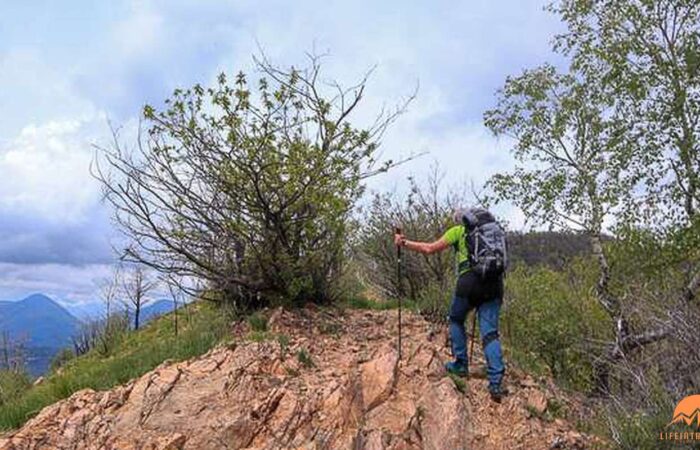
(399, 239)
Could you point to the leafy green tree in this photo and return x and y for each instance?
(573, 172)
(613, 145)
(246, 191)
(647, 53)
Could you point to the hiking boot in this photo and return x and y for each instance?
(456, 367)
(497, 393)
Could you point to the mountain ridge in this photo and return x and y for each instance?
(41, 326)
(317, 378)
(39, 320)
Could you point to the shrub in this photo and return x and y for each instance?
(305, 359)
(61, 359)
(13, 383)
(247, 189)
(424, 214)
(548, 316)
(257, 322)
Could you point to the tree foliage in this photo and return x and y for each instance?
(245, 187)
(647, 54)
(582, 161)
(612, 145)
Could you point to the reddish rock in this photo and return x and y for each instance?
(357, 395)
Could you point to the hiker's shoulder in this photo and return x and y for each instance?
(453, 233)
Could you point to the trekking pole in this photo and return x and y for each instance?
(471, 347)
(398, 272)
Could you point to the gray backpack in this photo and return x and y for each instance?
(486, 241)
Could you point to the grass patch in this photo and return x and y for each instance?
(259, 336)
(556, 409)
(203, 327)
(305, 359)
(459, 382)
(283, 341)
(257, 322)
(12, 384)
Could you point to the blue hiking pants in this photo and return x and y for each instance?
(488, 312)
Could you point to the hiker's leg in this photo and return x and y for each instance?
(489, 313)
(458, 335)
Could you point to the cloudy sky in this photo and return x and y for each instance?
(67, 68)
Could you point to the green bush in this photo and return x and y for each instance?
(287, 163)
(547, 317)
(138, 353)
(257, 322)
(61, 359)
(305, 359)
(13, 383)
(424, 214)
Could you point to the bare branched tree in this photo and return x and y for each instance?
(137, 287)
(12, 352)
(109, 289)
(424, 213)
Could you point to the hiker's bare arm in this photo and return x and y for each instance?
(421, 247)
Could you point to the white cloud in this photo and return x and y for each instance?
(44, 172)
(35, 91)
(65, 283)
(138, 51)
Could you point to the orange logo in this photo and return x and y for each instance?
(687, 411)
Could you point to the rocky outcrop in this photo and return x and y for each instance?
(320, 380)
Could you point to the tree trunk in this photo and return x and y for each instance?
(137, 313)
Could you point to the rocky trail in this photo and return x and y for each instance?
(317, 379)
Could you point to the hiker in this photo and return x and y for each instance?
(479, 286)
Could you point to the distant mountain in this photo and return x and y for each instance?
(97, 310)
(4, 306)
(44, 327)
(548, 248)
(41, 325)
(87, 311)
(155, 309)
(39, 321)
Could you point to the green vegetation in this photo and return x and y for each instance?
(548, 316)
(201, 328)
(378, 305)
(283, 341)
(287, 163)
(607, 147)
(61, 359)
(305, 359)
(12, 384)
(257, 322)
(459, 382)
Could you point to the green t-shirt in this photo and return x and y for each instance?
(455, 237)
